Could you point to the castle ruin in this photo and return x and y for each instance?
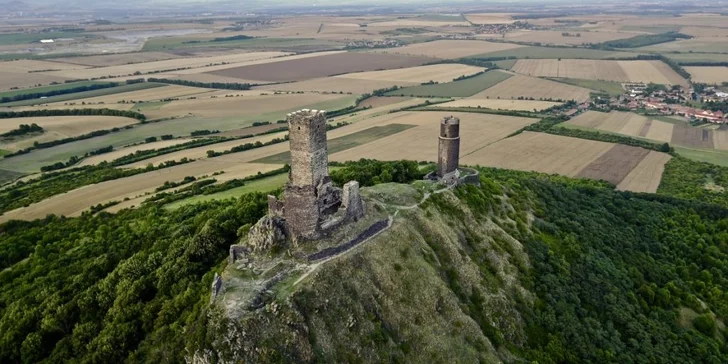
(311, 203)
(448, 156)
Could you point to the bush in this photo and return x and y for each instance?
(705, 324)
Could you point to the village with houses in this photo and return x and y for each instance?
(675, 101)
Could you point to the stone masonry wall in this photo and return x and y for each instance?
(449, 146)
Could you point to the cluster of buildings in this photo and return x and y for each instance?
(503, 28)
(674, 101)
(387, 43)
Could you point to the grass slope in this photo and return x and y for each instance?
(464, 88)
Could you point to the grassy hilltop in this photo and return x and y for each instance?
(526, 267)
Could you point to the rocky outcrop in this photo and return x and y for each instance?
(268, 233)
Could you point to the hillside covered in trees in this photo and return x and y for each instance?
(526, 267)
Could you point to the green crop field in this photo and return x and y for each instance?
(32, 162)
(651, 28)
(24, 38)
(506, 65)
(63, 86)
(719, 157)
(262, 185)
(697, 57)
(86, 94)
(3, 152)
(7, 176)
(171, 43)
(345, 142)
(612, 88)
(464, 88)
(554, 52)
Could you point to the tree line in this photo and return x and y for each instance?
(71, 90)
(215, 85)
(22, 130)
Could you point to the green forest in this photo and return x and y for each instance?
(616, 276)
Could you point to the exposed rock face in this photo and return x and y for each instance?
(269, 232)
(216, 287)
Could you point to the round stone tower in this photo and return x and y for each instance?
(449, 151)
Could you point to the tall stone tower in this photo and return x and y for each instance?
(449, 150)
(309, 192)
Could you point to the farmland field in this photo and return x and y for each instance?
(532, 87)
(220, 113)
(489, 18)
(420, 142)
(450, 49)
(556, 37)
(572, 157)
(709, 75)
(75, 202)
(118, 153)
(643, 176)
(610, 87)
(619, 71)
(264, 185)
(59, 127)
(463, 88)
(144, 92)
(441, 73)
(100, 94)
(634, 125)
(63, 86)
(322, 66)
(280, 44)
(518, 105)
(555, 53)
(166, 65)
(117, 59)
(697, 45)
(10, 79)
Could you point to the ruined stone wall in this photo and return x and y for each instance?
(449, 146)
(351, 201)
(302, 212)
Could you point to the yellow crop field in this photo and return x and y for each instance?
(541, 153)
(117, 59)
(646, 176)
(439, 73)
(336, 84)
(451, 49)
(201, 152)
(233, 60)
(28, 65)
(118, 153)
(618, 71)
(661, 131)
(75, 202)
(536, 88)
(59, 127)
(495, 104)
(10, 79)
(152, 94)
(720, 139)
(709, 75)
(235, 107)
(420, 142)
(575, 37)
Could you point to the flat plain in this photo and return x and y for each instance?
(450, 49)
(619, 71)
(708, 75)
(572, 157)
(322, 66)
(520, 86)
(518, 105)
